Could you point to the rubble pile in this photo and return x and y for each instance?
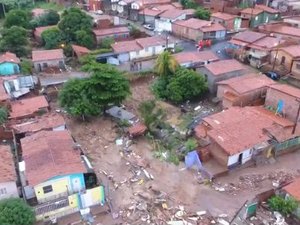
(255, 181)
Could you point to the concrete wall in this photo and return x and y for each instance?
(228, 24)
(41, 65)
(296, 69)
(116, 37)
(290, 107)
(150, 51)
(218, 153)
(8, 68)
(282, 58)
(8, 190)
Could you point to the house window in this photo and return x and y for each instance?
(47, 189)
(298, 66)
(3, 191)
(147, 49)
(45, 65)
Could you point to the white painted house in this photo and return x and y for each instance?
(165, 20)
(8, 176)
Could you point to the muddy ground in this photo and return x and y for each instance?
(139, 199)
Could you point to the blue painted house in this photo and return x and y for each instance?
(9, 64)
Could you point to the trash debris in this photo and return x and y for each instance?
(119, 141)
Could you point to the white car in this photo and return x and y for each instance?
(148, 26)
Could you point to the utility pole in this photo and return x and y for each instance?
(297, 117)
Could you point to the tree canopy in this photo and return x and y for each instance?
(90, 96)
(17, 17)
(52, 38)
(15, 211)
(48, 19)
(3, 115)
(14, 39)
(202, 13)
(189, 4)
(165, 64)
(84, 38)
(74, 20)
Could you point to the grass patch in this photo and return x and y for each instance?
(186, 119)
(49, 5)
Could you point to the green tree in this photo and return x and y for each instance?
(189, 4)
(90, 96)
(202, 13)
(52, 38)
(14, 39)
(15, 211)
(3, 115)
(282, 205)
(107, 42)
(165, 64)
(84, 38)
(26, 66)
(17, 17)
(185, 85)
(48, 19)
(74, 20)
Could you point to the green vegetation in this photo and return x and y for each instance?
(202, 14)
(17, 17)
(26, 66)
(48, 19)
(52, 38)
(15, 211)
(134, 31)
(91, 96)
(282, 205)
(107, 42)
(191, 144)
(189, 4)
(165, 64)
(84, 38)
(3, 115)
(14, 39)
(49, 5)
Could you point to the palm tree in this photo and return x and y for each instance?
(165, 64)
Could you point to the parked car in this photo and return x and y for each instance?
(272, 75)
(148, 26)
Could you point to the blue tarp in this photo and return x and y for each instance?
(192, 159)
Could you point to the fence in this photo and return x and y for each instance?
(287, 145)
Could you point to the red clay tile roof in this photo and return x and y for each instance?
(172, 14)
(137, 129)
(203, 25)
(247, 83)
(238, 129)
(150, 12)
(223, 16)
(293, 189)
(287, 89)
(195, 57)
(224, 66)
(27, 107)
(293, 50)
(80, 50)
(267, 9)
(126, 46)
(45, 55)
(39, 30)
(248, 36)
(213, 27)
(45, 122)
(279, 28)
(151, 41)
(48, 154)
(177, 5)
(266, 43)
(7, 165)
(252, 11)
(109, 31)
(9, 57)
(3, 95)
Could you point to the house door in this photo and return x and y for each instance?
(282, 60)
(39, 67)
(241, 158)
(76, 185)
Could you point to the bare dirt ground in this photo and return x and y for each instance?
(138, 199)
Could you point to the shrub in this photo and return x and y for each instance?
(282, 205)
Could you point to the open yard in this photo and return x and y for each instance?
(142, 188)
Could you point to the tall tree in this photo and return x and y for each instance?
(17, 17)
(74, 20)
(15, 40)
(15, 211)
(50, 18)
(52, 38)
(165, 64)
(84, 38)
(202, 13)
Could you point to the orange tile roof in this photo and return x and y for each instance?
(224, 66)
(3, 95)
(203, 25)
(48, 154)
(279, 28)
(7, 165)
(213, 27)
(248, 36)
(126, 46)
(80, 50)
(151, 41)
(266, 43)
(150, 12)
(39, 30)
(45, 55)
(45, 122)
(252, 11)
(223, 16)
(293, 189)
(195, 57)
(293, 50)
(267, 9)
(110, 31)
(238, 129)
(27, 107)
(247, 83)
(287, 89)
(172, 14)
(9, 57)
